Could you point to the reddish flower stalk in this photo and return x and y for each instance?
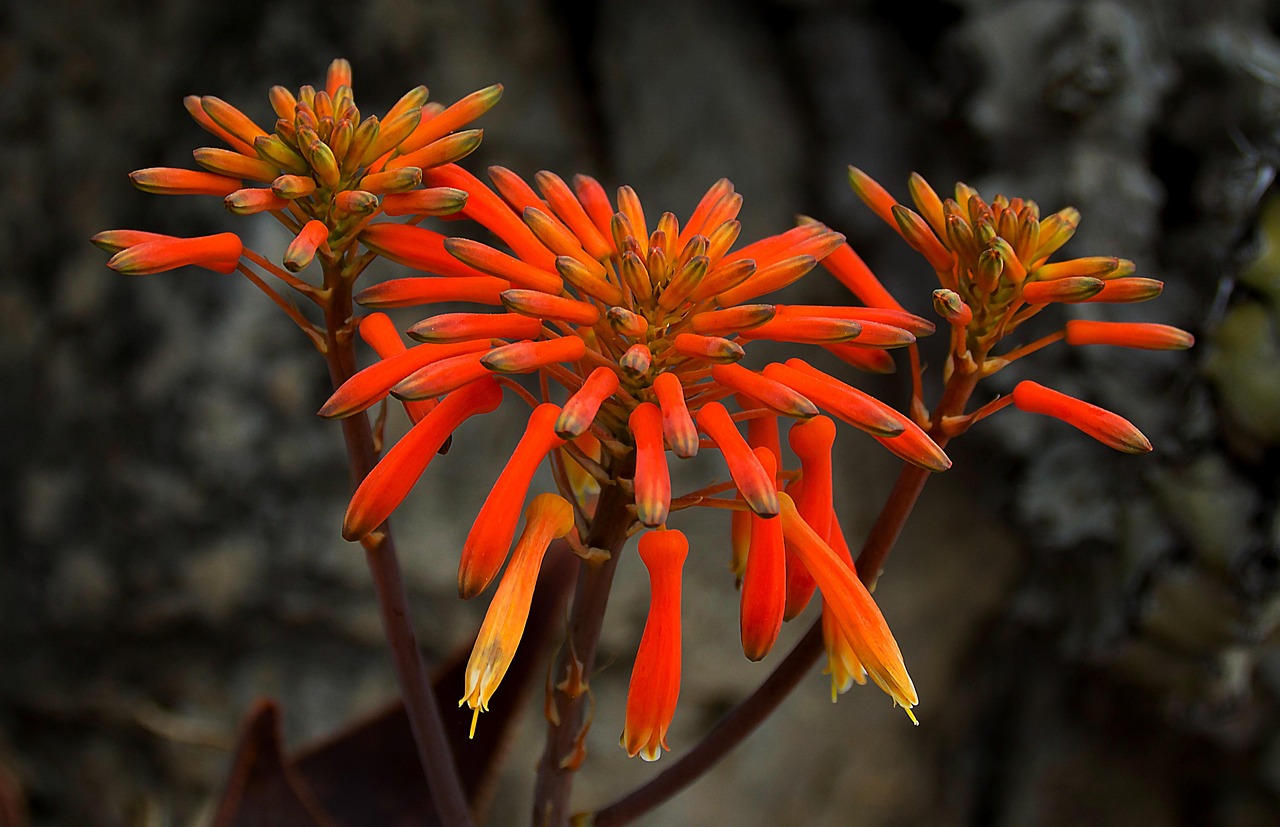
(327, 167)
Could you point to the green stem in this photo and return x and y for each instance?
(419, 698)
(566, 733)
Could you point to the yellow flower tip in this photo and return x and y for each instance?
(1108, 428)
(1141, 335)
(873, 195)
(917, 233)
(291, 187)
(853, 609)
(586, 279)
(234, 165)
(1099, 267)
(272, 149)
(232, 120)
(219, 253)
(447, 150)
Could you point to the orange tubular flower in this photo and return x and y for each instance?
(1128, 334)
(771, 394)
(1110, 429)
(371, 385)
(764, 577)
(167, 181)
(379, 333)
(754, 483)
(653, 482)
(854, 610)
(549, 517)
(812, 443)
(413, 292)
(486, 547)
(460, 327)
(390, 480)
(655, 678)
(219, 253)
(677, 425)
(582, 407)
(850, 404)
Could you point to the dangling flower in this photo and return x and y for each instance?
(852, 608)
(655, 678)
(549, 517)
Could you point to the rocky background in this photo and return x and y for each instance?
(1093, 635)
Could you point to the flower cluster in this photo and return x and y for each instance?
(992, 261)
(325, 172)
(638, 332)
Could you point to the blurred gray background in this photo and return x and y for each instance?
(1093, 635)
